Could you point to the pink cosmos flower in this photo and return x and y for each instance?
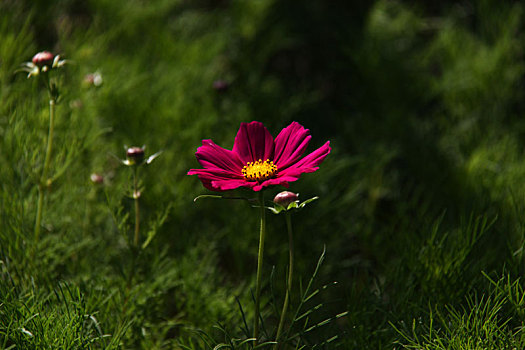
(257, 160)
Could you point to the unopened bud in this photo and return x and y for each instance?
(76, 104)
(97, 178)
(44, 58)
(135, 155)
(93, 79)
(285, 198)
(221, 85)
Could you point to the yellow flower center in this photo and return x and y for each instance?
(259, 170)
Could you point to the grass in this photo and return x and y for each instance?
(420, 202)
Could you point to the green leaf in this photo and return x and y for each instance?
(211, 196)
(156, 225)
(303, 204)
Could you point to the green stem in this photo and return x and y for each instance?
(289, 280)
(135, 250)
(262, 235)
(44, 181)
(136, 196)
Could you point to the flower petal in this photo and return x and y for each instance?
(308, 164)
(226, 185)
(219, 180)
(282, 180)
(212, 156)
(290, 145)
(215, 173)
(253, 142)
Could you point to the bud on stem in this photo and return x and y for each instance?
(44, 58)
(135, 155)
(285, 198)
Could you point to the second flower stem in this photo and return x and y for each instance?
(289, 280)
(260, 257)
(136, 196)
(135, 249)
(44, 181)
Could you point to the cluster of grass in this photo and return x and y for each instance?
(420, 200)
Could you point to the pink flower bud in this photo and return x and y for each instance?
(44, 58)
(97, 178)
(135, 155)
(93, 79)
(221, 85)
(285, 198)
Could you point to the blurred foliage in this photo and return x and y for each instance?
(420, 200)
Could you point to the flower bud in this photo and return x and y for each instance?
(93, 79)
(221, 85)
(76, 104)
(135, 155)
(44, 58)
(97, 178)
(285, 198)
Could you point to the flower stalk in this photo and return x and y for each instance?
(44, 181)
(260, 257)
(135, 158)
(136, 196)
(41, 66)
(289, 280)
